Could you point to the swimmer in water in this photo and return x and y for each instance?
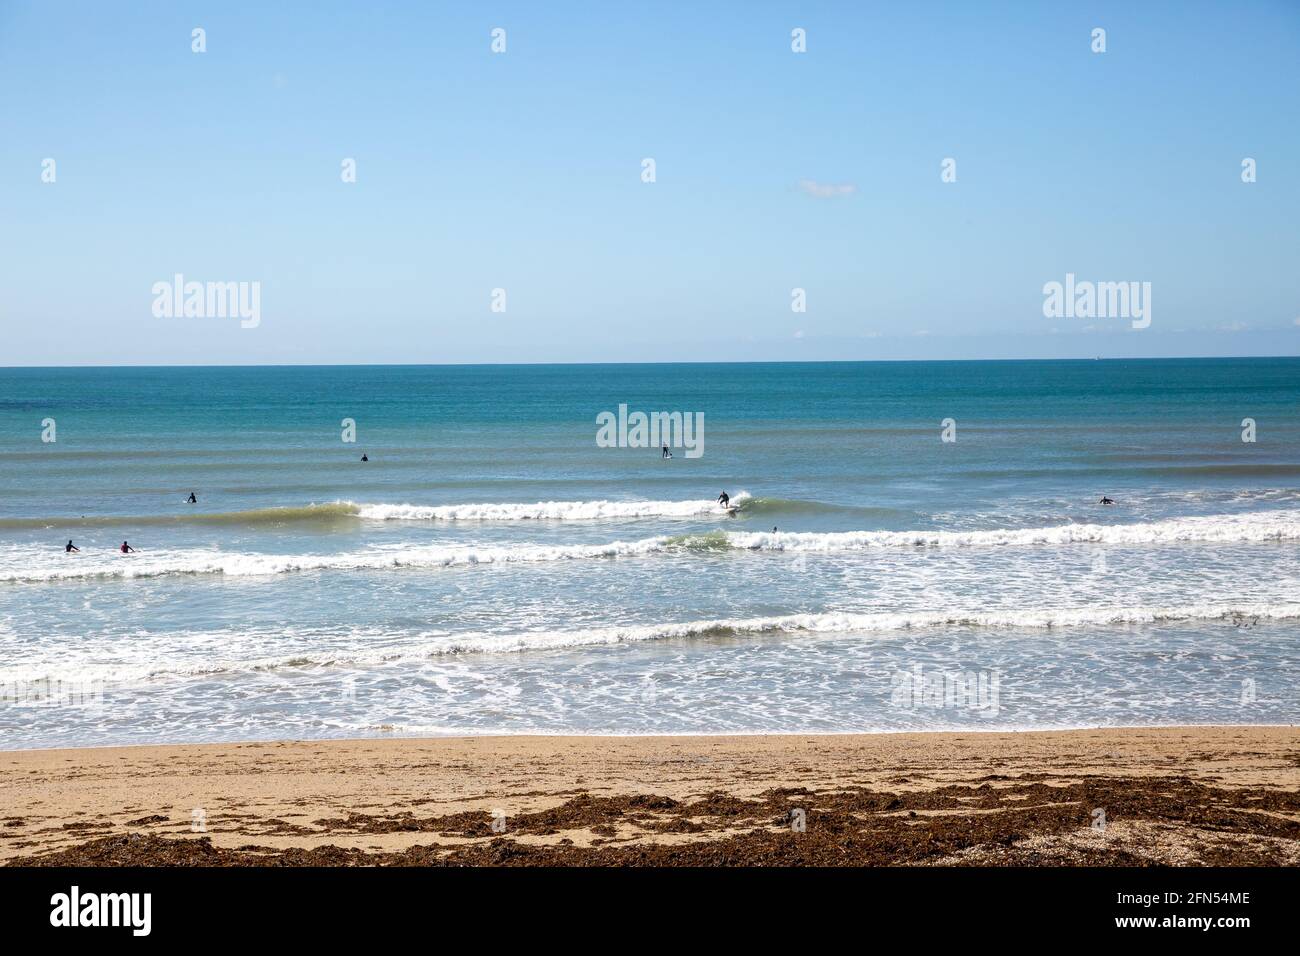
(126, 548)
(70, 547)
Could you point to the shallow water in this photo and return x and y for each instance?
(491, 569)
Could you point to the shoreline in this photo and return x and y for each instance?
(1178, 795)
(704, 735)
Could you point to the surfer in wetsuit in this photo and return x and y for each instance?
(192, 499)
(1106, 501)
(70, 547)
(365, 457)
(126, 548)
(724, 499)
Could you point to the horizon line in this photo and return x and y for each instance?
(880, 361)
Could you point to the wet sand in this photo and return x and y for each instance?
(1181, 796)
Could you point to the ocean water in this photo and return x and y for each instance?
(493, 569)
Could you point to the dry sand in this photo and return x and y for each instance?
(1182, 795)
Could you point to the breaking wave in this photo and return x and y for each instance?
(433, 644)
(1222, 529)
(352, 511)
(549, 510)
(1257, 526)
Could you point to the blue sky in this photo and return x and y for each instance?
(522, 171)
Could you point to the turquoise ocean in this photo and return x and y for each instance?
(493, 569)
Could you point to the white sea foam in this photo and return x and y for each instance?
(61, 567)
(336, 511)
(1259, 527)
(841, 622)
(546, 510)
(208, 653)
(1243, 528)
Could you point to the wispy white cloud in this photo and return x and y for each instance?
(826, 190)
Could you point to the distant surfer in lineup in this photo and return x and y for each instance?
(724, 499)
(70, 547)
(127, 549)
(365, 457)
(1106, 501)
(192, 499)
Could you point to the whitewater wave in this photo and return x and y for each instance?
(847, 622)
(742, 501)
(146, 565)
(1242, 528)
(596, 510)
(351, 511)
(1223, 529)
(548, 510)
(434, 644)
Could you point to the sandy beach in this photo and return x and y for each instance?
(1183, 796)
